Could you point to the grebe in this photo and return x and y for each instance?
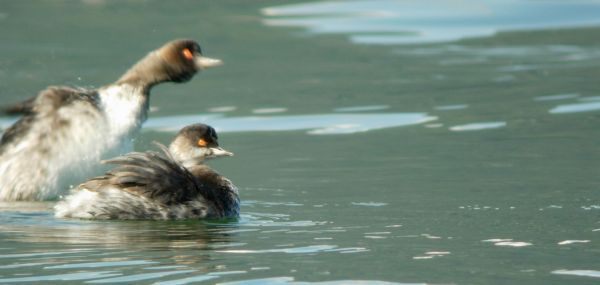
(65, 132)
(174, 184)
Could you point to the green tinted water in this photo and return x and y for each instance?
(500, 188)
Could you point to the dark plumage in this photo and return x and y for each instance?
(174, 184)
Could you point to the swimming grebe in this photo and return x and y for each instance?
(65, 131)
(150, 185)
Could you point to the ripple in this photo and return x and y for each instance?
(589, 99)
(139, 277)
(478, 126)
(319, 124)
(429, 21)
(187, 280)
(369, 204)
(291, 280)
(564, 242)
(587, 273)
(304, 249)
(38, 254)
(497, 240)
(362, 108)
(437, 252)
(451, 107)
(556, 97)
(513, 243)
(222, 109)
(507, 242)
(576, 108)
(20, 265)
(591, 207)
(62, 277)
(101, 264)
(432, 254)
(267, 281)
(269, 110)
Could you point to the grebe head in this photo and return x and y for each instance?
(195, 143)
(176, 61)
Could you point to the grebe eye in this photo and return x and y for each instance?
(202, 143)
(187, 53)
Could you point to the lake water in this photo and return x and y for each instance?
(376, 142)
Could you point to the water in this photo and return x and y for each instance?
(382, 161)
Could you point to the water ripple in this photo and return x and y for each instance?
(61, 277)
(101, 264)
(302, 249)
(409, 22)
(576, 108)
(478, 126)
(291, 280)
(319, 124)
(587, 273)
(187, 280)
(38, 254)
(139, 277)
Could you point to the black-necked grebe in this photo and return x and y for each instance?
(65, 131)
(149, 185)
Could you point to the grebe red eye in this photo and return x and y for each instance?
(202, 143)
(187, 53)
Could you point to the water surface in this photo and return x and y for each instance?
(474, 160)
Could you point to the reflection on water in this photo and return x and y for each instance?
(406, 204)
(188, 234)
(576, 108)
(171, 252)
(589, 98)
(556, 97)
(316, 124)
(507, 242)
(362, 108)
(478, 126)
(61, 277)
(417, 21)
(452, 107)
(304, 249)
(565, 242)
(291, 280)
(269, 110)
(588, 273)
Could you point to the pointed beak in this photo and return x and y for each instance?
(217, 151)
(203, 62)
